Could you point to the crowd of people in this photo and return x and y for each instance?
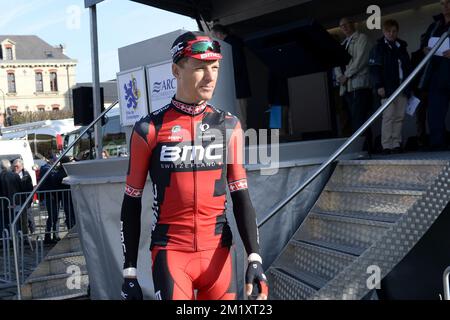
(375, 72)
(15, 185)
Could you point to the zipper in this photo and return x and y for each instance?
(194, 172)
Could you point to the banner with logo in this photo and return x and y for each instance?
(132, 91)
(162, 85)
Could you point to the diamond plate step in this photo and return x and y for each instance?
(69, 243)
(301, 257)
(387, 173)
(341, 230)
(72, 234)
(58, 264)
(77, 296)
(286, 287)
(352, 251)
(376, 216)
(370, 200)
(54, 286)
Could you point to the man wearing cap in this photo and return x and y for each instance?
(192, 151)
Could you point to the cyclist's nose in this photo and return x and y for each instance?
(208, 75)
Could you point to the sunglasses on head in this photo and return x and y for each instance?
(204, 46)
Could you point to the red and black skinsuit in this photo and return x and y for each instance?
(192, 153)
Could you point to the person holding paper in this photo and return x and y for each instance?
(436, 78)
(389, 65)
(354, 78)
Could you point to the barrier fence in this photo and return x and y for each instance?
(48, 218)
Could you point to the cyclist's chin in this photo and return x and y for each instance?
(205, 94)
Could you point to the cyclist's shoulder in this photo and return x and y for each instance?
(228, 116)
(142, 126)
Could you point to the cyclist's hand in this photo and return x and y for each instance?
(255, 278)
(131, 290)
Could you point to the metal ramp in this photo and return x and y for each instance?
(62, 275)
(370, 214)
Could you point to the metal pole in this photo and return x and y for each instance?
(30, 196)
(95, 79)
(350, 140)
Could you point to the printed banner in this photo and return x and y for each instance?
(162, 85)
(132, 91)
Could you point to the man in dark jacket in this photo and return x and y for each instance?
(389, 66)
(50, 198)
(27, 186)
(9, 185)
(64, 196)
(436, 79)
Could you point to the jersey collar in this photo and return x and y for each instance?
(192, 109)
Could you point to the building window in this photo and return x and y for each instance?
(9, 54)
(11, 83)
(53, 81)
(41, 108)
(39, 82)
(55, 107)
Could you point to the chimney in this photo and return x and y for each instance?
(61, 48)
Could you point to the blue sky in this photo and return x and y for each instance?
(120, 23)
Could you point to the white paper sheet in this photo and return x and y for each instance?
(412, 105)
(444, 46)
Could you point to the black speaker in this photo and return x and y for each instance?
(83, 105)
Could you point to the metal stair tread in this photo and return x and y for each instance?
(71, 235)
(64, 255)
(311, 245)
(348, 219)
(52, 277)
(400, 162)
(312, 280)
(364, 215)
(67, 297)
(374, 190)
(305, 278)
(353, 251)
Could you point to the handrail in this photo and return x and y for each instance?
(35, 189)
(446, 284)
(350, 140)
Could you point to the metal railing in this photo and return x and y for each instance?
(350, 140)
(51, 215)
(5, 255)
(5, 218)
(36, 188)
(6, 275)
(446, 284)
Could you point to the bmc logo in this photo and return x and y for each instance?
(199, 153)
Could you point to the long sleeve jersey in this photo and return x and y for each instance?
(192, 153)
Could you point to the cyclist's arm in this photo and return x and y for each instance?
(237, 183)
(140, 153)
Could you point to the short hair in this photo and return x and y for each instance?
(181, 62)
(220, 28)
(348, 20)
(391, 23)
(17, 161)
(5, 164)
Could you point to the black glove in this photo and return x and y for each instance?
(255, 279)
(131, 290)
